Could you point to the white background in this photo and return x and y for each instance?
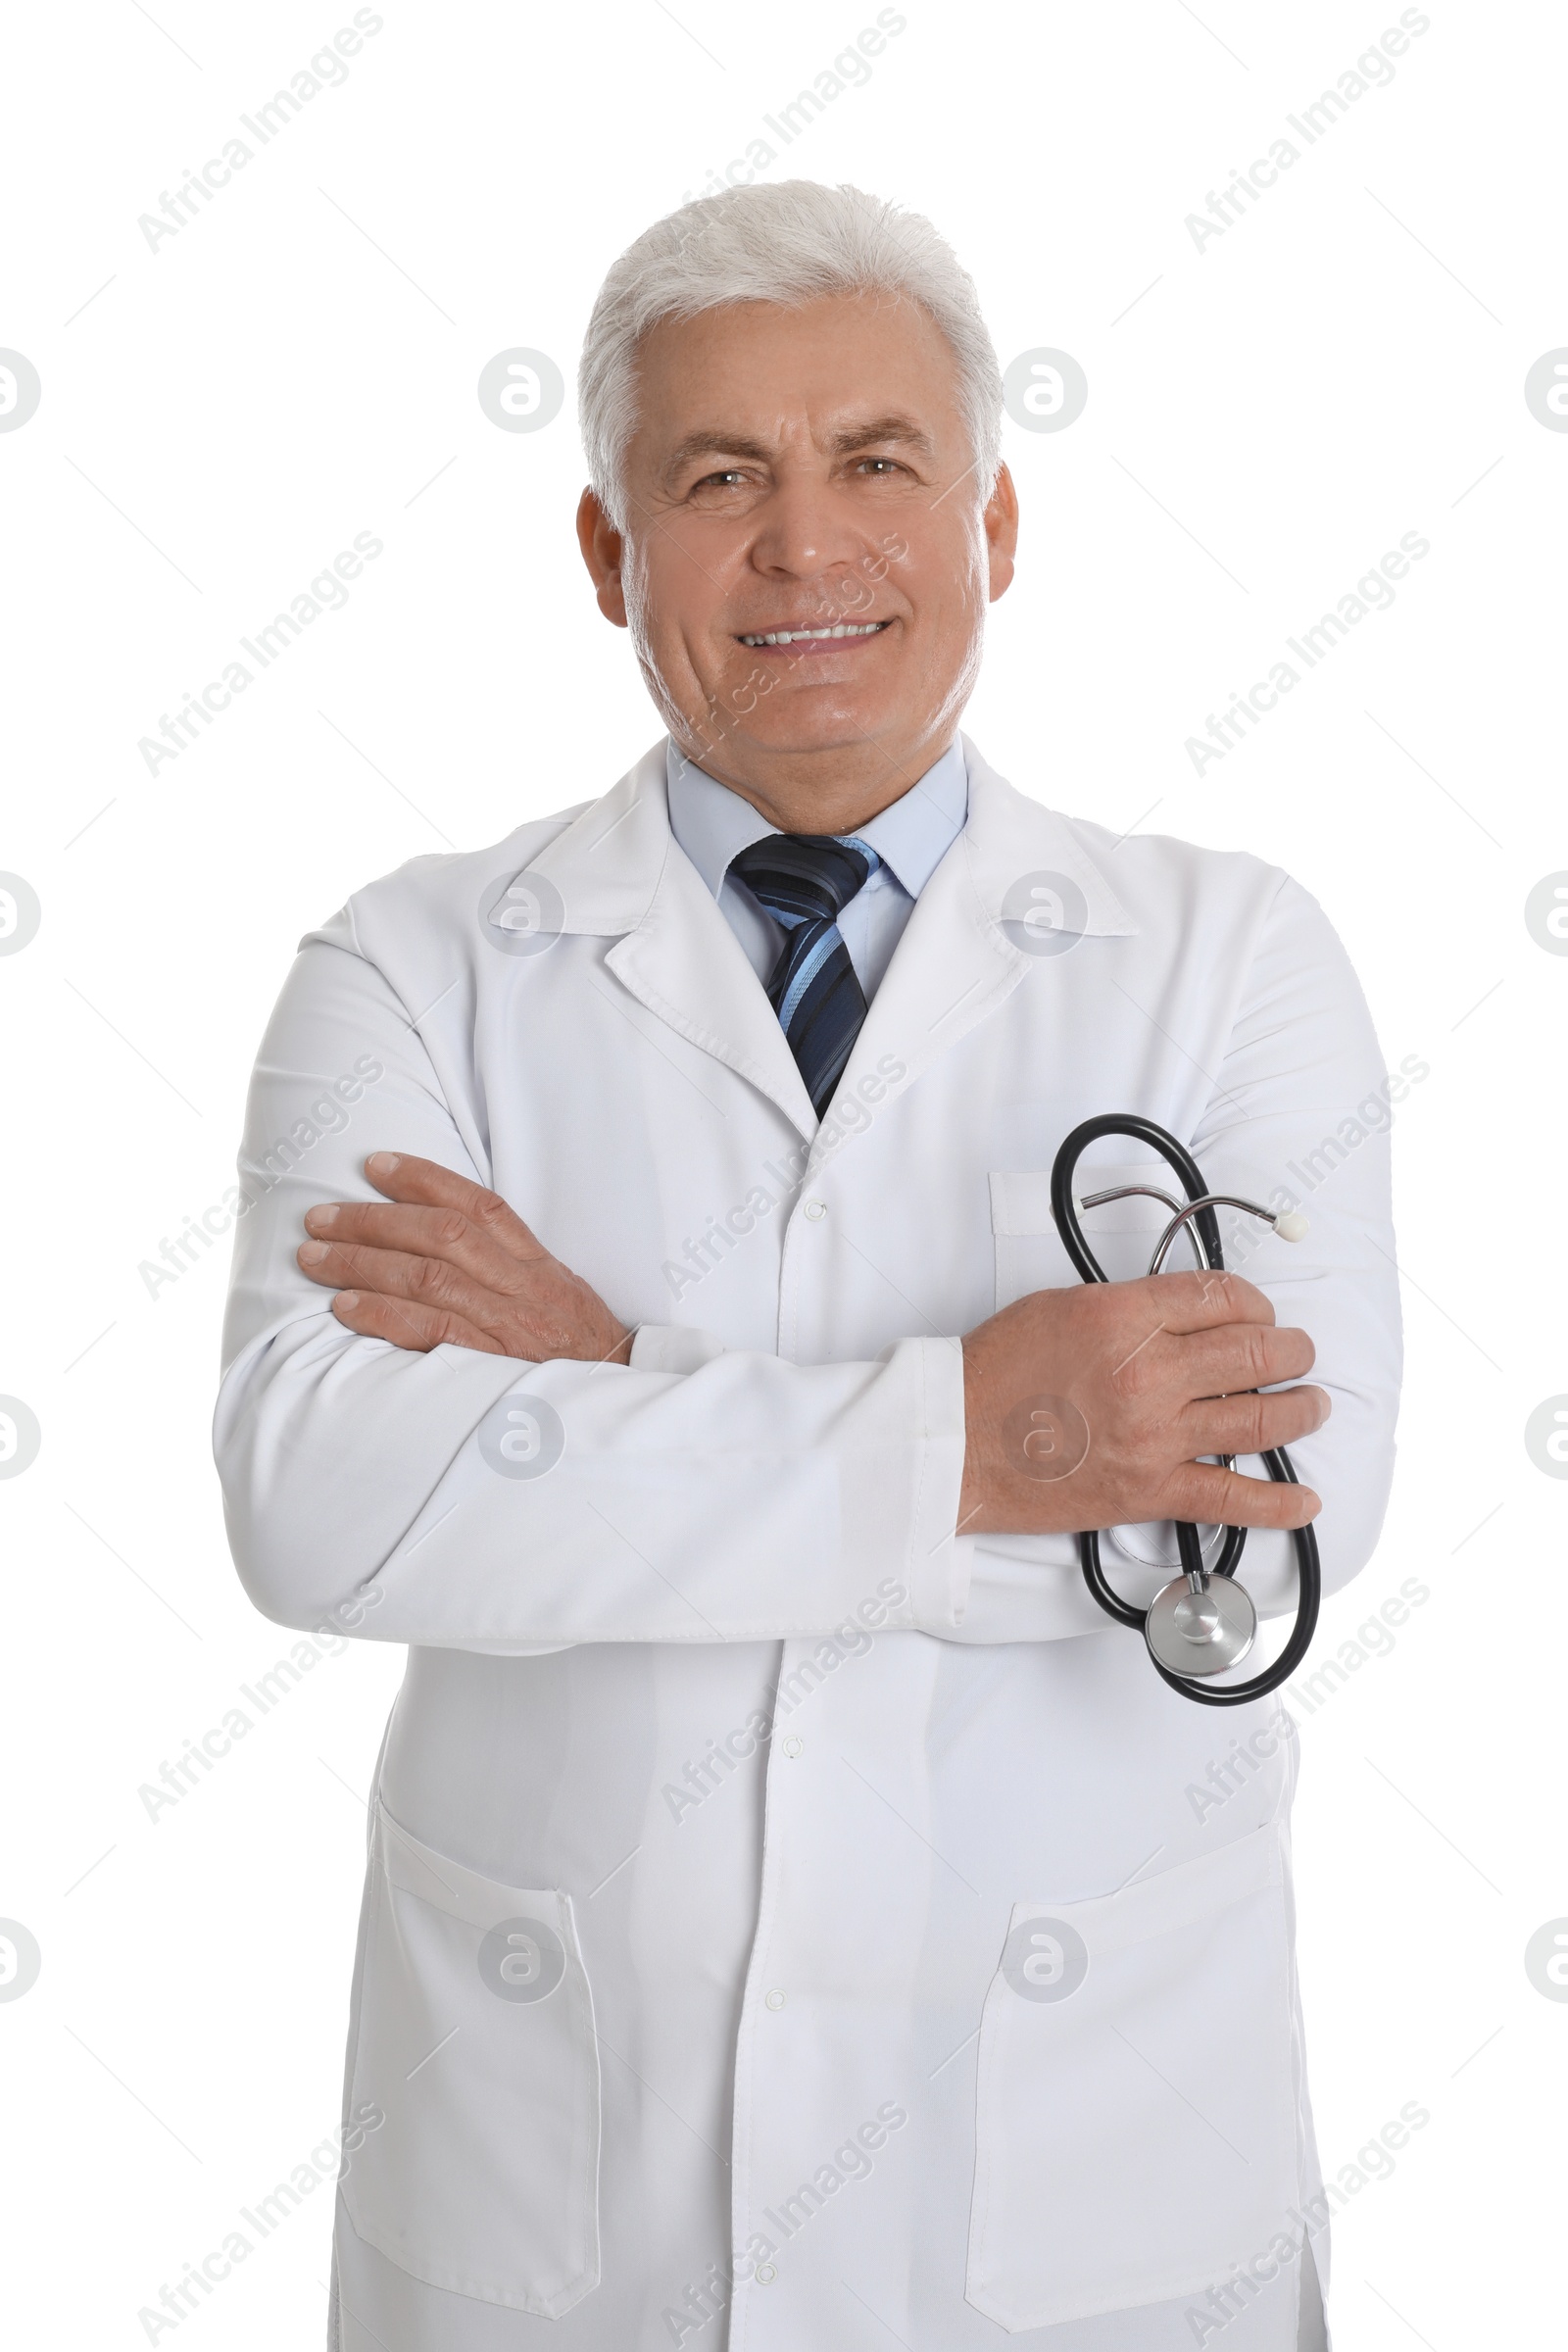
(1266, 416)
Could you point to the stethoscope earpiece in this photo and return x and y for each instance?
(1202, 1622)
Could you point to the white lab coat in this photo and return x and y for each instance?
(763, 1773)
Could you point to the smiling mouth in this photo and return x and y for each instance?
(842, 628)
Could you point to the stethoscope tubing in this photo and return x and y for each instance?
(1276, 1460)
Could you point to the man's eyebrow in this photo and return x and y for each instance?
(857, 434)
(892, 427)
(709, 443)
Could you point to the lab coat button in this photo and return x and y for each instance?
(766, 2273)
(816, 1210)
(774, 1999)
(792, 1745)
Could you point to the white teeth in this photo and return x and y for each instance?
(843, 628)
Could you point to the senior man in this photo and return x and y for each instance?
(796, 1919)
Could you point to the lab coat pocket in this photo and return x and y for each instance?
(1137, 2096)
(474, 2036)
(1029, 1255)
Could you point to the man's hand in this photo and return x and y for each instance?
(445, 1264)
(1087, 1408)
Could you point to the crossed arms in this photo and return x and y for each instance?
(727, 1492)
(1164, 1370)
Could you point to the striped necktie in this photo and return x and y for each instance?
(805, 880)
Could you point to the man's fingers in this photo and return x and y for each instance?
(402, 1176)
(408, 1325)
(1250, 1424)
(1239, 1355)
(1174, 1368)
(1206, 1495)
(1194, 1301)
(418, 1232)
(395, 1274)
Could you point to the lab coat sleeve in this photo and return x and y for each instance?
(481, 1502)
(1295, 1111)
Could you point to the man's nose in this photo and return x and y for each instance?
(806, 531)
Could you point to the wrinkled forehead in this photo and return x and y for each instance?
(836, 372)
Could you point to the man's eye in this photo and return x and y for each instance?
(725, 479)
(883, 464)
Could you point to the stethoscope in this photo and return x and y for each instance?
(1202, 1622)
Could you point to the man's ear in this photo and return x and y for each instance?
(1000, 520)
(600, 545)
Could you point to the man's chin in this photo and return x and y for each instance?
(831, 740)
(802, 717)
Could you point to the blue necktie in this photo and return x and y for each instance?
(805, 880)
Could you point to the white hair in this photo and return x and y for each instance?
(787, 243)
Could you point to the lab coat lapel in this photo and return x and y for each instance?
(618, 869)
(685, 964)
(959, 958)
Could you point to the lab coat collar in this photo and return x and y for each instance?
(1010, 839)
(607, 862)
(966, 948)
(620, 873)
(619, 869)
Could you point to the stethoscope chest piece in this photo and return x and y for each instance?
(1200, 1631)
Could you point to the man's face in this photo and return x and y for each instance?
(805, 469)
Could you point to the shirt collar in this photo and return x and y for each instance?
(912, 836)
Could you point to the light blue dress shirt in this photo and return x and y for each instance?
(911, 836)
